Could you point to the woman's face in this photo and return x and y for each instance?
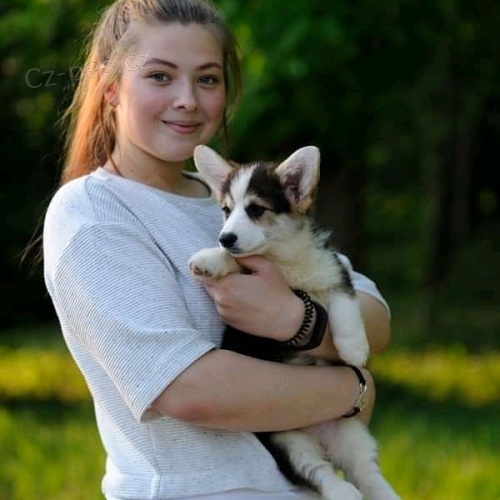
(171, 94)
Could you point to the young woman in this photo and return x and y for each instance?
(176, 414)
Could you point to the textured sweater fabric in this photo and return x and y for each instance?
(134, 318)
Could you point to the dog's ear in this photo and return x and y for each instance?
(299, 176)
(211, 166)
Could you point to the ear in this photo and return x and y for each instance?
(111, 95)
(299, 176)
(211, 166)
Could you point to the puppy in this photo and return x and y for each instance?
(265, 207)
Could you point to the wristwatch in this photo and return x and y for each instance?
(361, 400)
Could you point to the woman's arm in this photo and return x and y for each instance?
(254, 303)
(230, 391)
(225, 390)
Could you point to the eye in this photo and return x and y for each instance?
(160, 77)
(208, 81)
(226, 210)
(255, 211)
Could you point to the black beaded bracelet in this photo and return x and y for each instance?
(319, 328)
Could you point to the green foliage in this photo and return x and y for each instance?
(467, 302)
(435, 421)
(373, 84)
(436, 450)
(441, 375)
(40, 46)
(323, 70)
(53, 377)
(49, 451)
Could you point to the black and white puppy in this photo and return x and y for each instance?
(265, 208)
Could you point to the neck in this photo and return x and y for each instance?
(166, 176)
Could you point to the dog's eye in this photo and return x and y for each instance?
(226, 210)
(254, 210)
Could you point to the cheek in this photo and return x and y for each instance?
(215, 105)
(134, 112)
(146, 107)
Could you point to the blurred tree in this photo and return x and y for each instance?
(401, 97)
(332, 74)
(459, 79)
(40, 42)
(394, 94)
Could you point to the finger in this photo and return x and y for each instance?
(254, 263)
(211, 289)
(203, 279)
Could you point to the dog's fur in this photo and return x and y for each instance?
(265, 207)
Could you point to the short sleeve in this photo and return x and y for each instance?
(119, 296)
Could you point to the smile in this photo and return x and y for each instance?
(183, 127)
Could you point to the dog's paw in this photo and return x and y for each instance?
(353, 349)
(380, 489)
(343, 491)
(212, 263)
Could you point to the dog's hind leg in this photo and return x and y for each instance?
(352, 448)
(303, 459)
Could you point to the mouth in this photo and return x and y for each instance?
(182, 127)
(238, 252)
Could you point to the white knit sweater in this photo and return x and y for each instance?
(133, 318)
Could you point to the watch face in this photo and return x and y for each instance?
(362, 399)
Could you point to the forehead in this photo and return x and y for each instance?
(191, 44)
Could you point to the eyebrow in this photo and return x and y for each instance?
(208, 65)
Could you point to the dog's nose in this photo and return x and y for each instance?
(227, 240)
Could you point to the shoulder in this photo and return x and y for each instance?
(69, 205)
(81, 207)
(70, 208)
(82, 196)
(88, 200)
(68, 198)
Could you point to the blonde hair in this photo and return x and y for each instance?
(91, 129)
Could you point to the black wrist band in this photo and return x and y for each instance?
(305, 327)
(319, 329)
(360, 401)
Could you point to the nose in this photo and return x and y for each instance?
(227, 240)
(185, 97)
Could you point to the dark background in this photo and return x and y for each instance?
(402, 97)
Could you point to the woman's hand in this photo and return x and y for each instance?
(260, 303)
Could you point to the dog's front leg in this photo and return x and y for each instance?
(213, 263)
(348, 329)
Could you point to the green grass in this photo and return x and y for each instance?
(49, 447)
(49, 451)
(436, 422)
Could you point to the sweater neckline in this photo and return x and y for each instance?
(103, 174)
